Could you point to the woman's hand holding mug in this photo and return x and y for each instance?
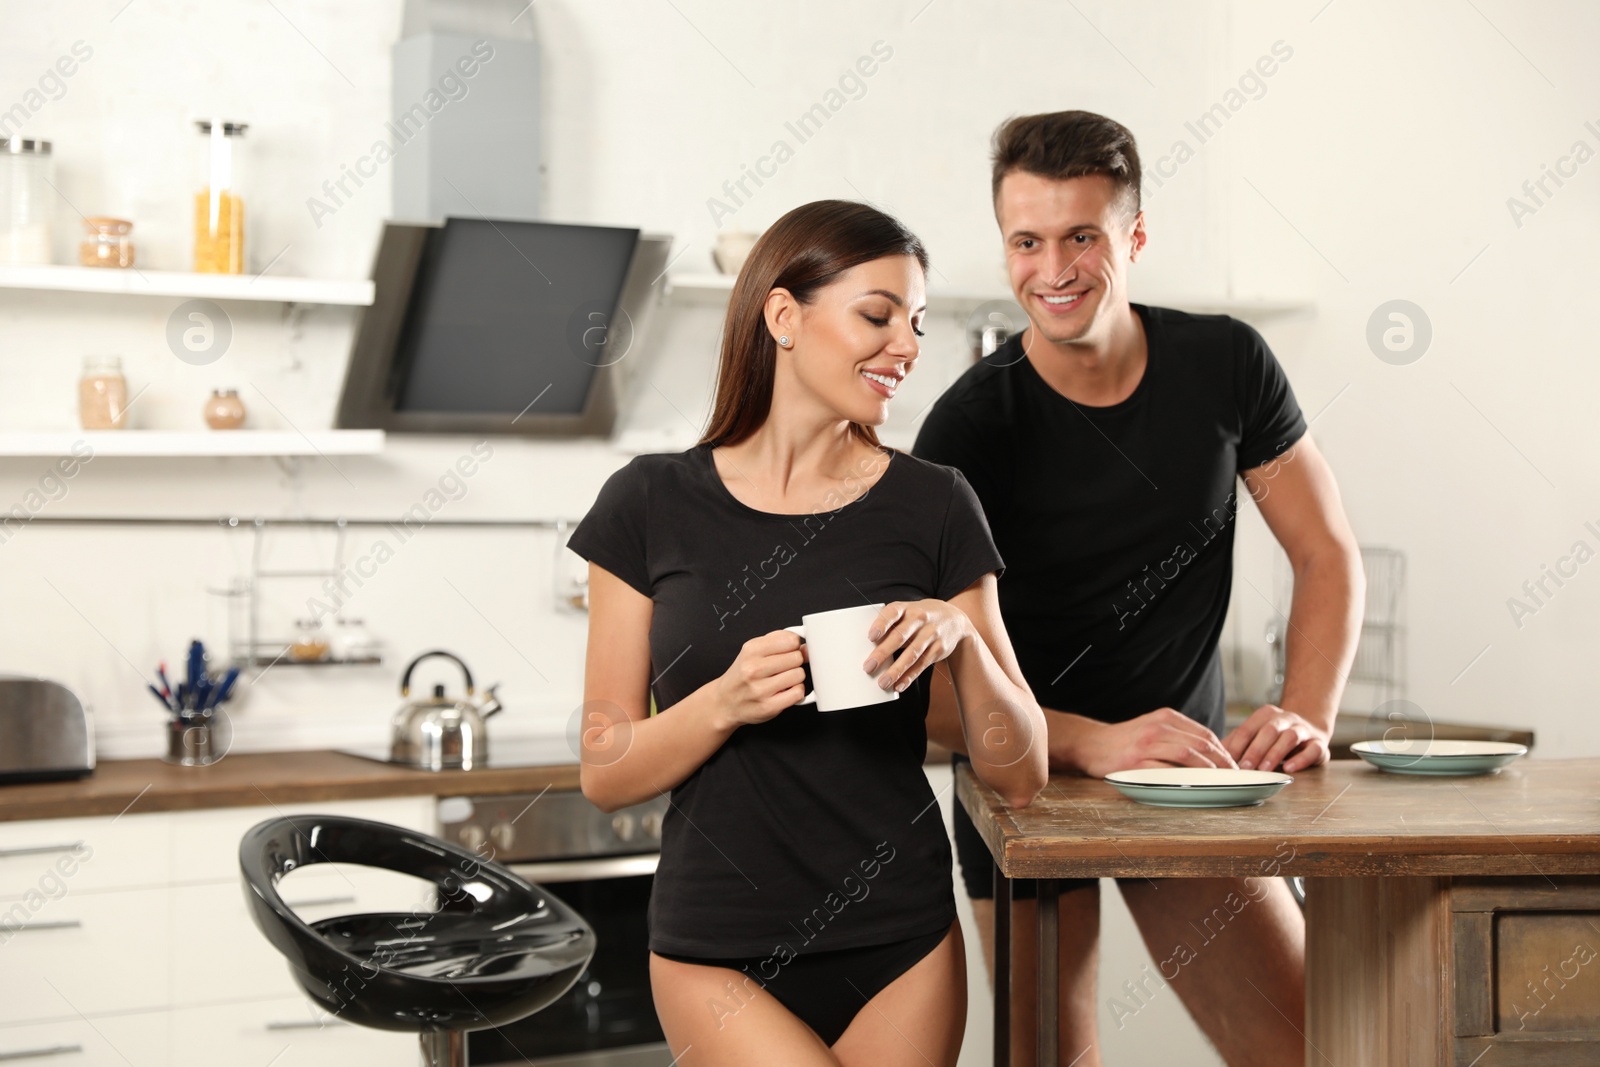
(764, 679)
(916, 635)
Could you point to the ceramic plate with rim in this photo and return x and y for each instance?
(1198, 787)
(1444, 758)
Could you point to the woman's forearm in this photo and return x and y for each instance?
(1003, 724)
(627, 761)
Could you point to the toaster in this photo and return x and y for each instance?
(45, 731)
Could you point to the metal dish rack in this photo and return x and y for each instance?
(1377, 676)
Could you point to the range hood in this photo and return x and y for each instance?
(502, 326)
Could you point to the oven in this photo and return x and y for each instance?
(603, 866)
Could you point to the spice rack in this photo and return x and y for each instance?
(246, 646)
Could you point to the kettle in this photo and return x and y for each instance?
(442, 733)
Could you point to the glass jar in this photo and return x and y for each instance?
(224, 411)
(106, 243)
(310, 643)
(102, 394)
(27, 202)
(218, 211)
(352, 643)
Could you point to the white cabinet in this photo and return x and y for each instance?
(205, 844)
(287, 1032)
(90, 953)
(112, 1041)
(126, 940)
(227, 953)
(53, 857)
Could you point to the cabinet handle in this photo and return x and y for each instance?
(307, 1024)
(318, 901)
(40, 1053)
(20, 928)
(559, 871)
(39, 850)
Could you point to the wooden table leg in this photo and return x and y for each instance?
(1378, 971)
(1002, 969)
(1047, 1003)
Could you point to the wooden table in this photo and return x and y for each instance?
(1433, 904)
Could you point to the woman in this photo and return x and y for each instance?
(802, 912)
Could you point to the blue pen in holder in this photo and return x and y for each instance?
(198, 731)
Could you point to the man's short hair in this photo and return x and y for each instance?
(1069, 144)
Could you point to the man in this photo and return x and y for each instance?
(1104, 443)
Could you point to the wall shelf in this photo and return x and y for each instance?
(134, 281)
(700, 288)
(198, 443)
(714, 289)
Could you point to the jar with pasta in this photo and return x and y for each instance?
(218, 210)
(102, 394)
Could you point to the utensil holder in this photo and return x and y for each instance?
(193, 742)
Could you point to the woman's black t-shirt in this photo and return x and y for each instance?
(813, 830)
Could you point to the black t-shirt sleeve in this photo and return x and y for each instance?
(949, 437)
(612, 534)
(1269, 416)
(966, 548)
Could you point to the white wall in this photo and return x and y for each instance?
(1392, 142)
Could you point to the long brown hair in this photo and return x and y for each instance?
(801, 252)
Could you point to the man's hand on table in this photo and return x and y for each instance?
(1160, 738)
(1274, 735)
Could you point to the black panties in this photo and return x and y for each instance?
(825, 990)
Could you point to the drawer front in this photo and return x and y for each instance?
(86, 953)
(226, 955)
(1527, 970)
(120, 1041)
(285, 1032)
(205, 844)
(49, 858)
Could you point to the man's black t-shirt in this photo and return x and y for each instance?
(813, 830)
(1117, 522)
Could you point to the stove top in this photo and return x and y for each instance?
(504, 753)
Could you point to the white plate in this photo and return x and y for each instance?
(1198, 787)
(1439, 757)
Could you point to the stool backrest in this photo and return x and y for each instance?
(496, 942)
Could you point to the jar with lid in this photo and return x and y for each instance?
(102, 394)
(106, 242)
(27, 202)
(352, 643)
(218, 211)
(310, 643)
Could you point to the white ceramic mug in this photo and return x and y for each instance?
(837, 644)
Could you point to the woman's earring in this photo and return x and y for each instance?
(784, 341)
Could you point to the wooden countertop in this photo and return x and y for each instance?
(1535, 817)
(250, 779)
(257, 778)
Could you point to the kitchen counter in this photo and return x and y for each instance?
(252, 779)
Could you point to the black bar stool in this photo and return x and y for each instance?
(497, 949)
